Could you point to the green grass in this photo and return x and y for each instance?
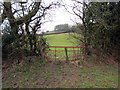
(86, 85)
(24, 74)
(82, 70)
(60, 40)
(64, 39)
(33, 75)
(101, 77)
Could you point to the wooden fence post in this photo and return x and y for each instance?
(55, 53)
(66, 54)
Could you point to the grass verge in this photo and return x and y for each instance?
(48, 75)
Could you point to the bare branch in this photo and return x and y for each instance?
(29, 15)
(7, 12)
(77, 13)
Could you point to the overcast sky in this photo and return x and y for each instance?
(60, 16)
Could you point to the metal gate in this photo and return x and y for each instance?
(64, 53)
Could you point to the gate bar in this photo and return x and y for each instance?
(65, 47)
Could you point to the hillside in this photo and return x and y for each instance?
(60, 40)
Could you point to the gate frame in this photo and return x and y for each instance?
(65, 48)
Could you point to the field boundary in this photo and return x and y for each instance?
(68, 53)
(54, 33)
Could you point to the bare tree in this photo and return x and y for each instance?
(25, 19)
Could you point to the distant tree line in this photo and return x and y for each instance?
(62, 27)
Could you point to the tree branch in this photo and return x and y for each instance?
(27, 17)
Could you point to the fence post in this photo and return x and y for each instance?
(55, 53)
(66, 54)
(43, 53)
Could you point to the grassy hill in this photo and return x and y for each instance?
(64, 39)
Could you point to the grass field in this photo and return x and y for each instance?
(64, 39)
(61, 40)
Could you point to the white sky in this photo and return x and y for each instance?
(61, 16)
